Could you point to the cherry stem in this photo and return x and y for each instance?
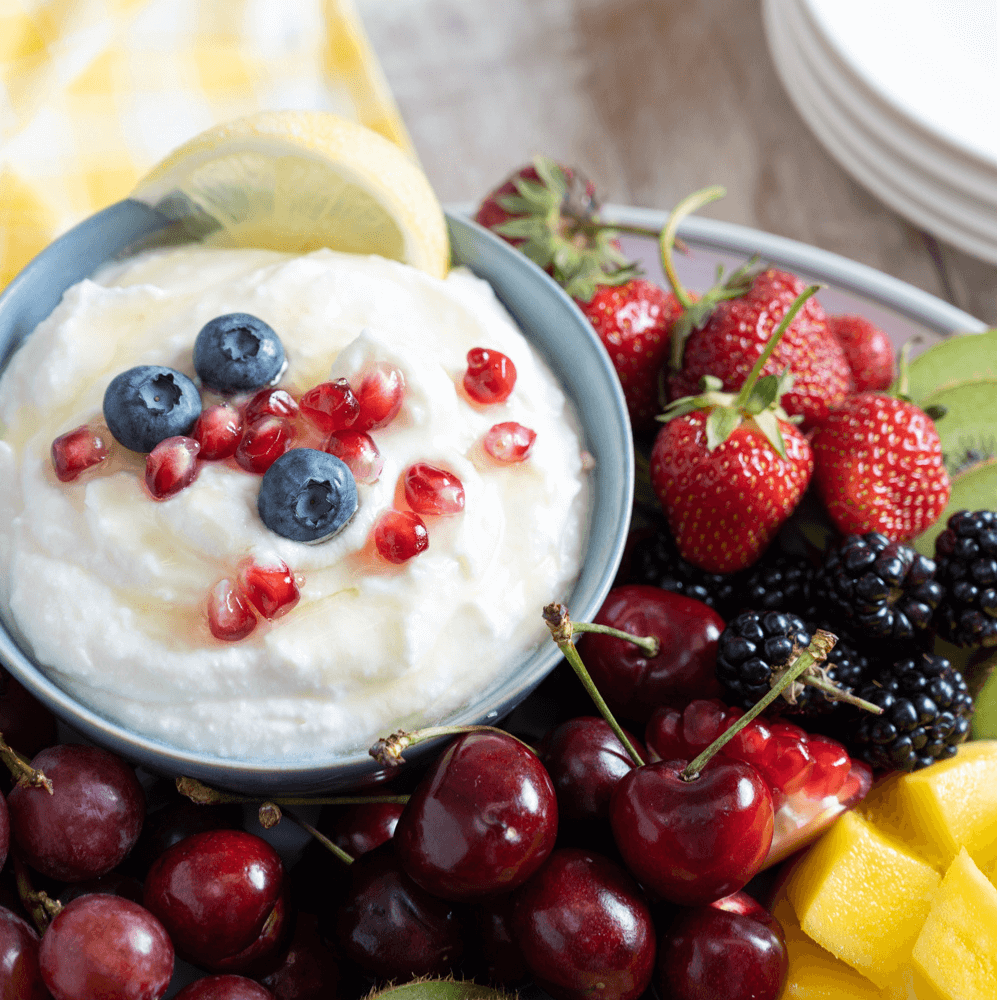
(669, 233)
(648, 643)
(39, 904)
(557, 618)
(338, 852)
(779, 331)
(388, 751)
(836, 693)
(202, 795)
(821, 644)
(21, 771)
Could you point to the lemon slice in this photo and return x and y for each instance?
(297, 181)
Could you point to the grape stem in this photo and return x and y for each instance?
(39, 904)
(21, 771)
(556, 616)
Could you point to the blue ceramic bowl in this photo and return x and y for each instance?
(548, 319)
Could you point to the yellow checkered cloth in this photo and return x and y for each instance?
(93, 93)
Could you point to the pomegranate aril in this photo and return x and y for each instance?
(380, 396)
(171, 466)
(751, 744)
(264, 441)
(430, 490)
(358, 452)
(831, 766)
(230, 616)
(218, 430)
(331, 406)
(271, 590)
(78, 450)
(277, 402)
(788, 768)
(509, 442)
(400, 535)
(490, 375)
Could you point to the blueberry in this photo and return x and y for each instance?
(238, 352)
(149, 403)
(307, 495)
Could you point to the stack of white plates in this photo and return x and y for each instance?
(903, 93)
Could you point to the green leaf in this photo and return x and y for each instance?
(721, 422)
(763, 395)
(552, 175)
(768, 424)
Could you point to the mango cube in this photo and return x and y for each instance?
(944, 807)
(863, 897)
(956, 951)
(814, 974)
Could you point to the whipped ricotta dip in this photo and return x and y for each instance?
(107, 588)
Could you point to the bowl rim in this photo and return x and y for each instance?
(129, 227)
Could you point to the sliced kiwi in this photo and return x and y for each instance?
(968, 428)
(439, 989)
(964, 358)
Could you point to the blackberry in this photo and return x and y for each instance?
(655, 560)
(778, 581)
(751, 646)
(878, 589)
(966, 557)
(926, 707)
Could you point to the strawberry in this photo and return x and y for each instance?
(551, 214)
(633, 321)
(868, 350)
(730, 469)
(724, 332)
(879, 466)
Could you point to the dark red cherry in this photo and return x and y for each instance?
(90, 821)
(481, 821)
(20, 976)
(584, 929)
(691, 842)
(631, 681)
(585, 760)
(360, 828)
(225, 987)
(499, 954)
(309, 970)
(215, 892)
(711, 953)
(173, 822)
(391, 927)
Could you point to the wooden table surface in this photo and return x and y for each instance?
(652, 99)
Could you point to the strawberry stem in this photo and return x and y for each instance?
(821, 644)
(556, 616)
(744, 394)
(667, 237)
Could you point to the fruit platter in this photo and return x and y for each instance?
(764, 768)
